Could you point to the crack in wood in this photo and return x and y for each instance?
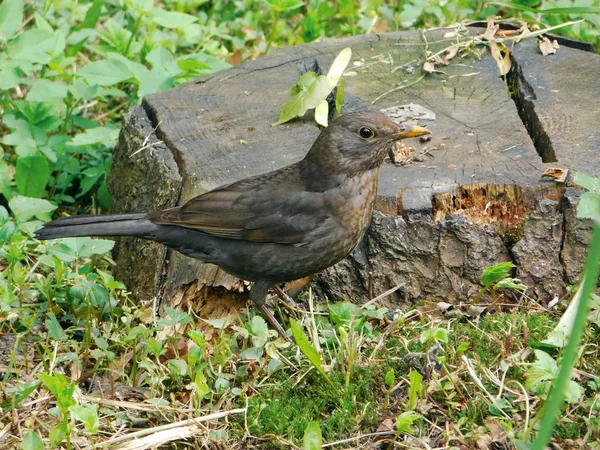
(523, 95)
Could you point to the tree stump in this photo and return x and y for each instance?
(470, 197)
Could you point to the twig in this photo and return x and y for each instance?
(380, 296)
(170, 426)
(356, 438)
(404, 86)
(478, 382)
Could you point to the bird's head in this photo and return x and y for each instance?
(357, 142)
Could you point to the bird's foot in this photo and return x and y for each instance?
(286, 299)
(273, 321)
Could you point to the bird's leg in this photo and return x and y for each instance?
(286, 299)
(258, 295)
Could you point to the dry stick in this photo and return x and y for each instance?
(380, 296)
(479, 384)
(356, 438)
(169, 426)
(132, 405)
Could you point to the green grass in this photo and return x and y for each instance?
(69, 71)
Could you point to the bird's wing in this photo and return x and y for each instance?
(249, 210)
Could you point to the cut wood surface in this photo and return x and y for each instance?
(470, 197)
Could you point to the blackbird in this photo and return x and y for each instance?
(275, 227)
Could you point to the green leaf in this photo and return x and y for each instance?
(343, 313)
(88, 415)
(219, 324)
(309, 351)
(416, 388)
(549, 11)
(25, 208)
(32, 440)
(11, 75)
(252, 354)
(160, 57)
(405, 420)
(178, 316)
(510, 283)
(62, 389)
(32, 175)
(313, 440)
(260, 331)
(589, 182)
(93, 14)
(106, 136)
(170, 19)
(309, 91)
(106, 72)
(322, 113)
(285, 5)
(11, 17)
(589, 206)
(54, 329)
(154, 81)
(214, 64)
(339, 99)
(43, 90)
(496, 272)
(58, 434)
(19, 393)
(95, 247)
(389, 379)
(202, 389)
(543, 369)
(338, 66)
(33, 46)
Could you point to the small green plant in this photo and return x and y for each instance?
(312, 437)
(389, 381)
(498, 277)
(311, 91)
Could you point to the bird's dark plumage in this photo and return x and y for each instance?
(279, 226)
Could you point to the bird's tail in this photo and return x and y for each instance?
(97, 225)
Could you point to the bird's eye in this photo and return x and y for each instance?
(366, 133)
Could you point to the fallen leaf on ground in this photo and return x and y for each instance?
(502, 56)
(556, 173)
(546, 46)
(428, 67)
(507, 33)
(452, 166)
(491, 30)
(451, 53)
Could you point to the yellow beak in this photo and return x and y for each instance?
(413, 131)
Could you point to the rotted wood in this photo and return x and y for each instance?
(471, 197)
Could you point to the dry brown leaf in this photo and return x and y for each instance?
(491, 30)
(507, 33)
(386, 425)
(558, 174)
(428, 67)
(451, 53)
(502, 56)
(250, 33)
(236, 58)
(546, 46)
(381, 26)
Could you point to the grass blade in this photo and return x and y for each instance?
(553, 407)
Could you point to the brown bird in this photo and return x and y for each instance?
(275, 227)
